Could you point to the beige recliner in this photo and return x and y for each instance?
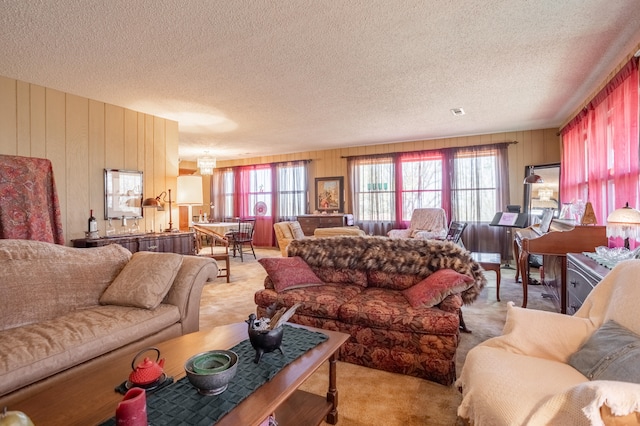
(426, 224)
(287, 232)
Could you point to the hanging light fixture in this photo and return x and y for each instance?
(206, 165)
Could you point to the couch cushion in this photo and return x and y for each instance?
(389, 309)
(289, 272)
(319, 301)
(296, 230)
(391, 280)
(36, 351)
(436, 287)
(611, 353)
(144, 281)
(58, 278)
(342, 276)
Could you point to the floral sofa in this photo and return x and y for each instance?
(398, 299)
(64, 306)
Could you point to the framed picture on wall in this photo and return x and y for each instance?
(330, 194)
(122, 194)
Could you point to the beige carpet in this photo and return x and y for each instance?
(367, 396)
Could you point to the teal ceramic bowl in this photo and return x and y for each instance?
(210, 372)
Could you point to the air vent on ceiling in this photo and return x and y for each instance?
(457, 111)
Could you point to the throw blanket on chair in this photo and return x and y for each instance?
(30, 209)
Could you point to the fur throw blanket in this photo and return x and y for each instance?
(402, 256)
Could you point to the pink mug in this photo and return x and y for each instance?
(132, 410)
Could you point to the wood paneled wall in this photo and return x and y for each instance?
(82, 137)
(533, 147)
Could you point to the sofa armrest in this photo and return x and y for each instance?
(542, 334)
(186, 291)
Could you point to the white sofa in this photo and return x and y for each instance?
(526, 377)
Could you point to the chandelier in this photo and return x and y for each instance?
(206, 165)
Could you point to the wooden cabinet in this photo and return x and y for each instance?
(583, 273)
(168, 242)
(310, 222)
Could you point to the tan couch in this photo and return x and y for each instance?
(64, 306)
(288, 231)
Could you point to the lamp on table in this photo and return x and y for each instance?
(625, 223)
(158, 204)
(190, 193)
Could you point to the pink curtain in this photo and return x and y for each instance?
(573, 178)
(251, 190)
(609, 125)
(30, 209)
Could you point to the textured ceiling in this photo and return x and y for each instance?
(250, 78)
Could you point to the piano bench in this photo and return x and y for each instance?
(490, 262)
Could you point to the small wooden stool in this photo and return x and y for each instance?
(490, 262)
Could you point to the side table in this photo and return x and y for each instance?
(490, 262)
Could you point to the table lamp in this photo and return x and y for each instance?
(190, 193)
(158, 204)
(624, 223)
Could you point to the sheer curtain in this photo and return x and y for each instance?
(479, 180)
(573, 176)
(374, 209)
(291, 196)
(610, 126)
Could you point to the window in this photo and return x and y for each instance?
(466, 182)
(474, 194)
(421, 183)
(292, 190)
(374, 189)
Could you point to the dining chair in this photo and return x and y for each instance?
(221, 255)
(242, 236)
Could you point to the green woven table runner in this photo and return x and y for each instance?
(180, 403)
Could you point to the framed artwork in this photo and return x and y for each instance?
(330, 194)
(122, 194)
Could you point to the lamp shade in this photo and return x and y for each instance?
(533, 179)
(624, 223)
(151, 202)
(190, 190)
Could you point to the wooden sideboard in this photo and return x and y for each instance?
(166, 242)
(309, 222)
(583, 273)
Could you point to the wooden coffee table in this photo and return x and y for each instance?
(88, 397)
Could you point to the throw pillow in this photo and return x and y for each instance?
(289, 272)
(611, 353)
(436, 287)
(144, 281)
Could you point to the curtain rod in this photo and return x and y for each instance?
(306, 160)
(422, 150)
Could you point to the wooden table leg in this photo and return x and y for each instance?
(332, 393)
(523, 262)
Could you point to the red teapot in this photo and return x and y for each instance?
(148, 371)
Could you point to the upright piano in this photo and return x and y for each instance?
(561, 238)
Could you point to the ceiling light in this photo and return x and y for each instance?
(206, 165)
(457, 111)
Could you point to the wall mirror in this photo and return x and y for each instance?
(122, 194)
(539, 197)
